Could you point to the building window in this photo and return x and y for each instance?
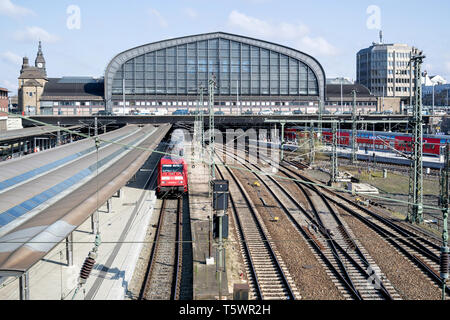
(239, 68)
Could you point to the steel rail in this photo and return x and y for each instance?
(383, 290)
(403, 231)
(341, 277)
(153, 253)
(389, 236)
(333, 244)
(245, 245)
(176, 285)
(263, 235)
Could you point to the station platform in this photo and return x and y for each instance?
(205, 277)
(122, 233)
(13, 135)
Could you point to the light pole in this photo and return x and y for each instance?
(444, 205)
(237, 97)
(123, 93)
(212, 84)
(354, 129)
(432, 105)
(36, 106)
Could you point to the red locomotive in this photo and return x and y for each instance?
(172, 177)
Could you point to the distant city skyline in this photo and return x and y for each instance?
(79, 38)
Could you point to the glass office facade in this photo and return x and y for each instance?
(240, 69)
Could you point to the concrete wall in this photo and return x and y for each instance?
(389, 104)
(3, 124)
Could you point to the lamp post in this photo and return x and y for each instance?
(123, 92)
(36, 106)
(432, 105)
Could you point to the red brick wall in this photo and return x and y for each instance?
(3, 101)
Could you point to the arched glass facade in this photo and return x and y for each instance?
(239, 69)
(175, 69)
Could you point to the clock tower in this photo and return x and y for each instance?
(40, 61)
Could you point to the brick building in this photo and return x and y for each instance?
(3, 100)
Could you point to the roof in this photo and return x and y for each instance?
(73, 88)
(3, 89)
(172, 160)
(124, 56)
(32, 73)
(11, 135)
(32, 83)
(339, 81)
(334, 90)
(47, 195)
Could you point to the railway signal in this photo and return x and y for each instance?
(220, 230)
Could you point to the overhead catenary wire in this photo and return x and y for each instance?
(193, 160)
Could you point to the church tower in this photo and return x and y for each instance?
(40, 61)
(32, 82)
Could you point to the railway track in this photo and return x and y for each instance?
(267, 274)
(163, 276)
(349, 266)
(420, 251)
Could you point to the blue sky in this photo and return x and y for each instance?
(331, 31)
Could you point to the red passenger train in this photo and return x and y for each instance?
(172, 177)
(388, 141)
(385, 141)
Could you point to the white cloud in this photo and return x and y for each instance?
(157, 15)
(35, 34)
(265, 29)
(191, 13)
(11, 57)
(8, 8)
(297, 33)
(317, 45)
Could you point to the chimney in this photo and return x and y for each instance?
(24, 64)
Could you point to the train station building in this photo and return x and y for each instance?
(249, 73)
(251, 76)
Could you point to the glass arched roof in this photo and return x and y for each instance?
(241, 66)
